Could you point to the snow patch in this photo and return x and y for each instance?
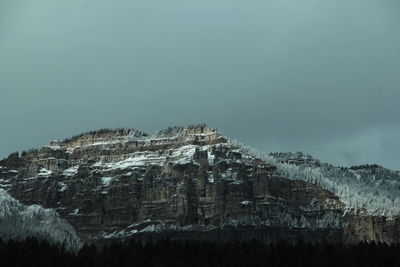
(210, 158)
(44, 172)
(62, 187)
(106, 181)
(71, 171)
(75, 212)
(210, 177)
(4, 183)
(181, 155)
(132, 162)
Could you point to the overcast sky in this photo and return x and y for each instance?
(321, 77)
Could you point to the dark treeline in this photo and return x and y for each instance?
(32, 252)
(365, 166)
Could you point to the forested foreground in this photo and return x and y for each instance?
(32, 252)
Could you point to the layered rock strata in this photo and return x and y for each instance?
(190, 182)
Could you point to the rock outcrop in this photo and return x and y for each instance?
(188, 182)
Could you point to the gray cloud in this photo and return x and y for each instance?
(280, 75)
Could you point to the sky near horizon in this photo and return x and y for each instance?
(322, 77)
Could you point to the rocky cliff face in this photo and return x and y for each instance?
(184, 182)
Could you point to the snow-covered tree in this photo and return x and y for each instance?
(18, 222)
(369, 187)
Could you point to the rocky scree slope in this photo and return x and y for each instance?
(190, 182)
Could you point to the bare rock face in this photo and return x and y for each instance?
(372, 228)
(182, 182)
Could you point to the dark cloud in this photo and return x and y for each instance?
(278, 75)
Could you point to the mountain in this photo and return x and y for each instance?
(193, 182)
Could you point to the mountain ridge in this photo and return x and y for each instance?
(117, 184)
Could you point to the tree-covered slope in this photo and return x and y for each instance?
(18, 222)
